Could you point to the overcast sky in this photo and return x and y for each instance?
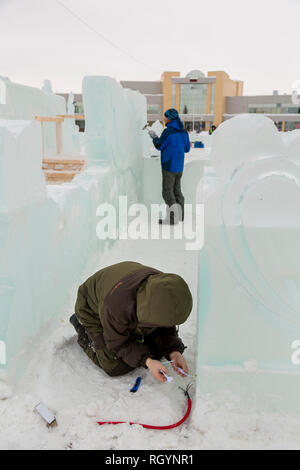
(256, 41)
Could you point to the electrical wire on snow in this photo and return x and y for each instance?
(160, 428)
(111, 43)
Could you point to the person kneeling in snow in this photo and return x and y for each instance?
(126, 317)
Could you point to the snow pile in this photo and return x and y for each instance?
(249, 268)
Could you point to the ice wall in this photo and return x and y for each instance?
(48, 235)
(125, 110)
(20, 154)
(24, 103)
(152, 179)
(292, 142)
(249, 284)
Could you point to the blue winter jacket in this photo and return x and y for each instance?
(173, 143)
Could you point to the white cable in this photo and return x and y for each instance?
(102, 35)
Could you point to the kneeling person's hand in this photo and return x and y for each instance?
(179, 361)
(155, 367)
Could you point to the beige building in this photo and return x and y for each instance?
(203, 100)
(200, 99)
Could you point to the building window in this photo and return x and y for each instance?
(197, 126)
(193, 98)
(273, 108)
(291, 126)
(153, 109)
(79, 110)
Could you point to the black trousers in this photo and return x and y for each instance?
(171, 192)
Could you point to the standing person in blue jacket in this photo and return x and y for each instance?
(173, 144)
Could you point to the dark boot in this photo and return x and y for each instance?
(83, 339)
(170, 219)
(74, 321)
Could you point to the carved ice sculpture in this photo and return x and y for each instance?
(249, 285)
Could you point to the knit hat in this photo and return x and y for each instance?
(172, 114)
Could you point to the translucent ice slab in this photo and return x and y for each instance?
(249, 285)
(152, 178)
(48, 235)
(115, 118)
(23, 102)
(21, 176)
(292, 142)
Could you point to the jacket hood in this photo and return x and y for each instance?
(163, 300)
(176, 124)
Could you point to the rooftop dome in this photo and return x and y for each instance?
(195, 74)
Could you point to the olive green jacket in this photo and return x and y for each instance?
(127, 301)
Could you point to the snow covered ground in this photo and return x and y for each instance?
(80, 394)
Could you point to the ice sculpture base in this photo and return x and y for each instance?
(254, 391)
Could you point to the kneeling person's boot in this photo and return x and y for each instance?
(74, 321)
(83, 339)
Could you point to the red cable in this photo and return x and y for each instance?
(148, 426)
